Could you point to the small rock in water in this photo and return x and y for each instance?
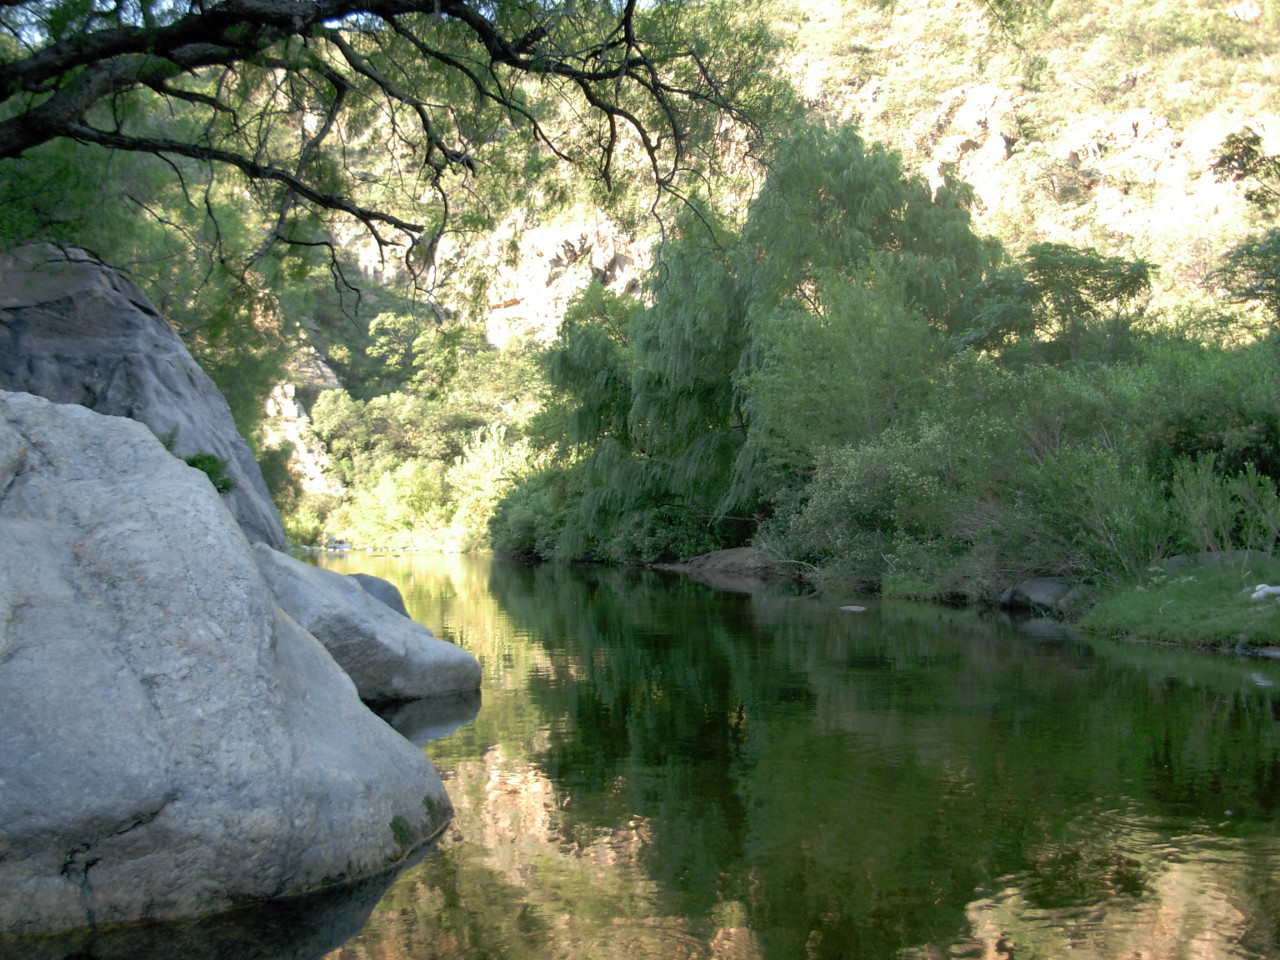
(853, 608)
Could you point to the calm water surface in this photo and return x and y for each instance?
(660, 770)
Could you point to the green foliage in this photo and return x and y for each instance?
(401, 831)
(589, 366)
(283, 484)
(1095, 471)
(1241, 158)
(1221, 513)
(1013, 16)
(814, 324)
(424, 466)
(1198, 399)
(1250, 273)
(215, 468)
(1077, 287)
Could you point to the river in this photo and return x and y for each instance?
(663, 770)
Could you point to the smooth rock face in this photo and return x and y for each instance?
(389, 657)
(74, 331)
(172, 743)
(384, 590)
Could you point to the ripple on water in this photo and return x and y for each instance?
(1119, 886)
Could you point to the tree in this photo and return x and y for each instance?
(384, 111)
(1250, 271)
(1241, 157)
(820, 321)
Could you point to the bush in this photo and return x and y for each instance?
(215, 468)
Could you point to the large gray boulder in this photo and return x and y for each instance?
(389, 656)
(1036, 593)
(383, 590)
(75, 331)
(171, 743)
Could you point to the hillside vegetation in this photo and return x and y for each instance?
(1023, 321)
(946, 294)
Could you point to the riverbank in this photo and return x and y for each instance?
(1206, 601)
(1202, 606)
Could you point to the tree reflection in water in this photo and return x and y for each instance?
(659, 770)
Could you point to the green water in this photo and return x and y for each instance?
(660, 770)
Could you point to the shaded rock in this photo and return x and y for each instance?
(388, 656)
(74, 331)
(307, 927)
(421, 721)
(383, 590)
(1037, 593)
(1077, 600)
(1042, 628)
(174, 744)
(740, 569)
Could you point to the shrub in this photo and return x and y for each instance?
(215, 468)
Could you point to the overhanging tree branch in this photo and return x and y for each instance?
(258, 171)
(282, 91)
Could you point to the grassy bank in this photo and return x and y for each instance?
(1203, 606)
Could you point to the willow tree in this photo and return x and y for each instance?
(820, 322)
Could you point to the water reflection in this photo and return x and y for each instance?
(662, 770)
(300, 928)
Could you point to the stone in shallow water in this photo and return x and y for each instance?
(388, 656)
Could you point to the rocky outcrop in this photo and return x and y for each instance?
(286, 423)
(75, 331)
(174, 744)
(387, 655)
(1036, 593)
